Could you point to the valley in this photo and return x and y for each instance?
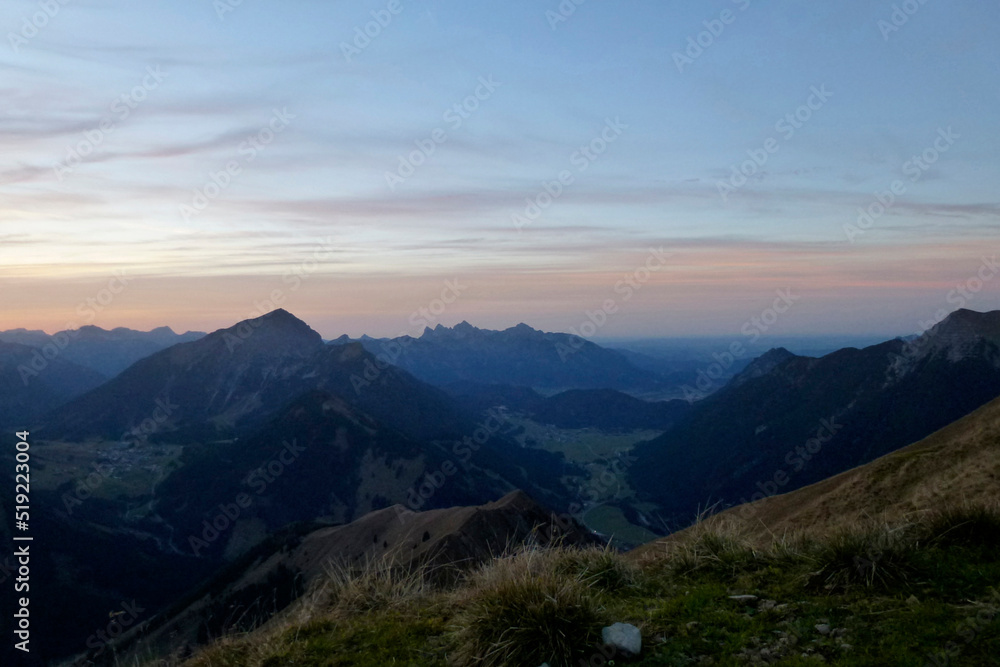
(248, 470)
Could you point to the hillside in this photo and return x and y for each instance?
(793, 421)
(277, 572)
(333, 463)
(894, 563)
(958, 464)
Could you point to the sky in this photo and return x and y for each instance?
(656, 168)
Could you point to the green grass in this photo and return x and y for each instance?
(914, 597)
(597, 452)
(583, 445)
(610, 521)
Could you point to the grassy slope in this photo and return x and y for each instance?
(959, 462)
(916, 583)
(926, 601)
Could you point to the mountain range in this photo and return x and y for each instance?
(788, 421)
(31, 385)
(103, 351)
(212, 447)
(519, 356)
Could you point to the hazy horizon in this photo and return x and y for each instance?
(548, 163)
(768, 339)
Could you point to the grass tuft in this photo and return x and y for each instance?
(881, 558)
(970, 526)
(715, 553)
(600, 568)
(524, 609)
(371, 585)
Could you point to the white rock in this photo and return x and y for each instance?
(623, 636)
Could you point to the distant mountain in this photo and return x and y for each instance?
(762, 365)
(107, 352)
(958, 464)
(604, 409)
(268, 579)
(789, 421)
(608, 410)
(234, 379)
(32, 384)
(681, 366)
(519, 356)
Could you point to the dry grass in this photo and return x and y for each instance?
(533, 606)
(537, 604)
(373, 584)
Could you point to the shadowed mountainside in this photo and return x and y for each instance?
(789, 421)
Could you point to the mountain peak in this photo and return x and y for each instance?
(959, 334)
(524, 330)
(984, 325)
(763, 365)
(277, 328)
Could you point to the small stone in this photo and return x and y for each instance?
(693, 625)
(912, 600)
(623, 636)
(823, 628)
(745, 599)
(767, 605)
